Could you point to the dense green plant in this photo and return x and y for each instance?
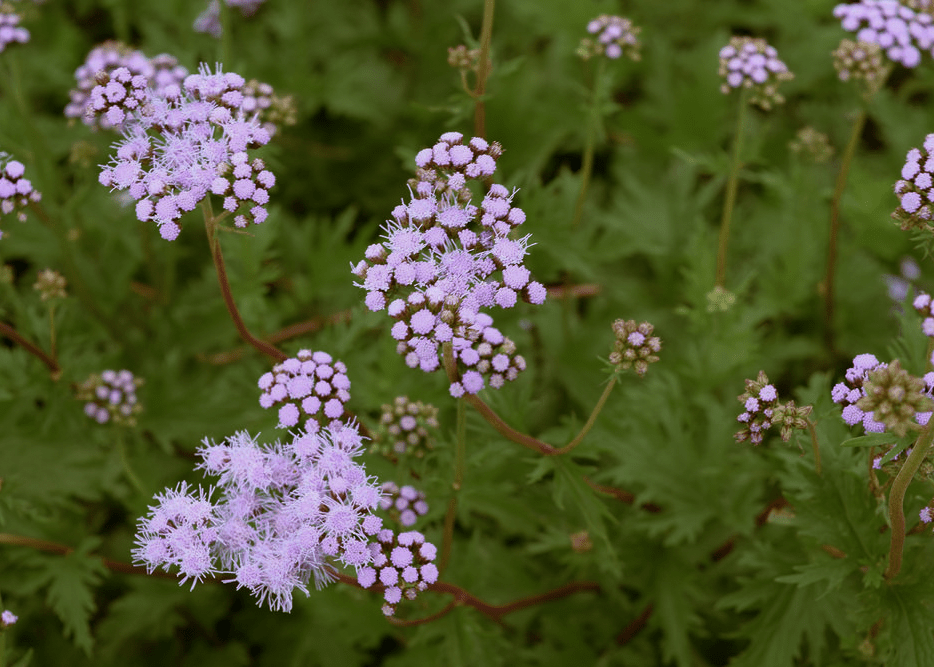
(605, 507)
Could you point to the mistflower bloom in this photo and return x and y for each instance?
(720, 299)
(750, 63)
(900, 30)
(403, 564)
(635, 347)
(282, 515)
(915, 189)
(881, 399)
(8, 618)
(403, 505)
(11, 32)
(50, 285)
(310, 389)
(861, 61)
(405, 427)
(924, 306)
(464, 59)
(16, 192)
(762, 410)
(926, 515)
(443, 259)
(812, 144)
(111, 396)
(183, 148)
(614, 36)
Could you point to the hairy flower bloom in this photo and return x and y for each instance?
(404, 428)
(882, 399)
(111, 396)
(751, 63)
(813, 144)
(915, 189)
(286, 513)
(861, 61)
(183, 148)
(403, 564)
(50, 285)
(762, 410)
(403, 504)
(10, 30)
(15, 191)
(443, 259)
(635, 347)
(8, 618)
(898, 29)
(310, 386)
(614, 36)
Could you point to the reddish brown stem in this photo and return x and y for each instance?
(32, 348)
(634, 628)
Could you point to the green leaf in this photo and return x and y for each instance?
(870, 440)
(72, 579)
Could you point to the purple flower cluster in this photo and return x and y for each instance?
(286, 514)
(8, 618)
(111, 396)
(615, 36)
(915, 189)
(924, 306)
(443, 259)
(402, 564)
(748, 62)
(403, 504)
(404, 427)
(209, 20)
(310, 385)
(901, 31)
(184, 148)
(849, 393)
(10, 30)
(15, 191)
(93, 97)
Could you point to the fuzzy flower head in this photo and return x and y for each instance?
(443, 259)
(50, 285)
(403, 564)
(762, 410)
(7, 618)
(812, 144)
(185, 147)
(403, 505)
(900, 31)
(895, 398)
(864, 62)
(16, 192)
(110, 396)
(915, 189)
(281, 515)
(924, 306)
(613, 37)
(635, 347)
(406, 428)
(750, 63)
(11, 32)
(309, 389)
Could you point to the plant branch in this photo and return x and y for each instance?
(732, 185)
(54, 369)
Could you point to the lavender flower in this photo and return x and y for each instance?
(861, 61)
(403, 504)
(924, 306)
(884, 397)
(762, 410)
(16, 192)
(310, 385)
(750, 63)
(898, 29)
(286, 514)
(8, 618)
(10, 30)
(915, 189)
(111, 396)
(403, 564)
(444, 258)
(404, 428)
(635, 347)
(182, 149)
(615, 36)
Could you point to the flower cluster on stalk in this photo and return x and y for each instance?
(443, 259)
(614, 36)
(903, 32)
(750, 63)
(11, 32)
(310, 386)
(861, 61)
(110, 396)
(16, 192)
(403, 564)
(635, 347)
(762, 411)
(915, 189)
(405, 428)
(403, 504)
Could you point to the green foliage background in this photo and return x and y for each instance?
(372, 87)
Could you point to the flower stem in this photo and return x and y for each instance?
(815, 445)
(33, 349)
(210, 224)
(897, 498)
(53, 352)
(459, 456)
(483, 68)
(121, 445)
(587, 163)
(840, 186)
(731, 187)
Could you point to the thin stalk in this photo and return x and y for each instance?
(53, 352)
(459, 457)
(124, 459)
(210, 225)
(840, 186)
(730, 200)
(32, 348)
(815, 445)
(897, 498)
(483, 68)
(589, 147)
